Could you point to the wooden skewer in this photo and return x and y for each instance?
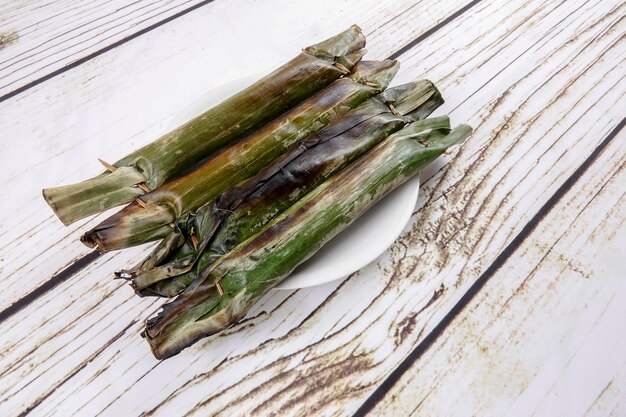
(113, 168)
(342, 68)
(143, 186)
(108, 166)
(220, 290)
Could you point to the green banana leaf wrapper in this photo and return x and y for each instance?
(245, 210)
(151, 216)
(315, 68)
(228, 287)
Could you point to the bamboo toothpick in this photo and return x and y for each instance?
(113, 168)
(393, 109)
(143, 187)
(194, 240)
(108, 166)
(220, 290)
(342, 68)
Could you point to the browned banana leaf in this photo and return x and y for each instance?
(224, 291)
(149, 218)
(312, 70)
(246, 209)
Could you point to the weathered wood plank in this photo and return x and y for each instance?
(125, 98)
(510, 72)
(48, 38)
(545, 335)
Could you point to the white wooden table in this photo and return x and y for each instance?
(505, 296)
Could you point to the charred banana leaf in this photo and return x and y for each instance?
(146, 169)
(150, 217)
(245, 210)
(228, 287)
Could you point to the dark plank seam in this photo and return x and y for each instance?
(94, 54)
(508, 251)
(101, 51)
(82, 366)
(434, 29)
(75, 267)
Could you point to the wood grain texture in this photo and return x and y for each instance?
(610, 401)
(541, 81)
(544, 336)
(125, 98)
(51, 36)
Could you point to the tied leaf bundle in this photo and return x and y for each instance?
(225, 290)
(151, 216)
(315, 68)
(241, 212)
(244, 193)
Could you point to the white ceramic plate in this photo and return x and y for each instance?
(361, 243)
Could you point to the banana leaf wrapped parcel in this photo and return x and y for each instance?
(315, 68)
(150, 216)
(224, 291)
(217, 227)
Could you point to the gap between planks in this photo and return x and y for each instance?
(539, 339)
(73, 63)
(471, 293)
(88, 57)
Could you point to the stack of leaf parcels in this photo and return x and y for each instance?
(245, 192)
